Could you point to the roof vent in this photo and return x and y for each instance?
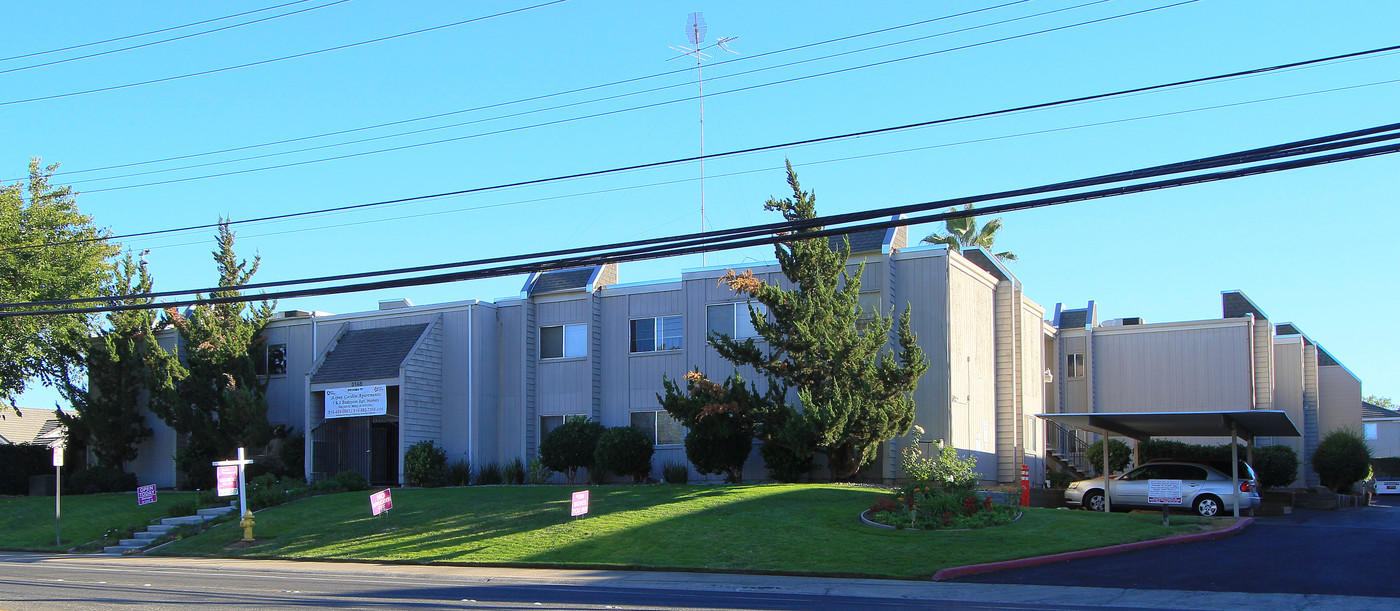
(295, 313)
(1121, 322)
(395, 304)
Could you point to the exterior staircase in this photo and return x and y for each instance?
(143, 540)
(1065, 448)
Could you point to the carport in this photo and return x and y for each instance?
(1143, 426)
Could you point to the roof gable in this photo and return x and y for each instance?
(369, 354)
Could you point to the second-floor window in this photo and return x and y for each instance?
(1074, 365)
(563, 341)
(731, 319)
(656, 334)
(270, 359)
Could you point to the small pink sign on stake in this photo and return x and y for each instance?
(227, 477)
(146, 494)
(381, 502)
(580, 504)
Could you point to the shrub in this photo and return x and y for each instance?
(17, 463)
(1276, 466)
(570, 447)
(182, 508)
(459, 473)
(676, 473)
(1119, 455)
(514, 472)
(292, 452)
(345, 481)
(425, 465)
(94, 480)
(1059, 479)
(537, 473)
(719, 444)
(784, 464)
(268, 490)
(596, 476)
(490, 475)
(1342, 459)
(926, 507)
(625, 450)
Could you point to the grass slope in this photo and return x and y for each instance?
(796, 529)
(26, 522)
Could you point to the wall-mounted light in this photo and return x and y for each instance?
(1049, 377)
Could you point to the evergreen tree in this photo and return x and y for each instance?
(123, 361)
(218, 399)
(853, 392)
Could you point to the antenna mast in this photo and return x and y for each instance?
(695, 34)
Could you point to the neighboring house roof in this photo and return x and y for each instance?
(1372, 411)
(369, 354)
(1074, 319)
(35, 427)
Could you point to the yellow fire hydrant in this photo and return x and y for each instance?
(247, 524)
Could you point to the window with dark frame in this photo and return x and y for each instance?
(657, 334)
(563, 341)
(1074, 365)
(271, 359)
(731, 319)
(660, 428)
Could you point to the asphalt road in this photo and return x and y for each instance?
(51, 581)
(1349, 552)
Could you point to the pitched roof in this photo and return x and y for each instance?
(1371, 410)
(1236, 305)
(34, 427)
(872, 240)
(574, 279)
(1074, 319)
(369, 354)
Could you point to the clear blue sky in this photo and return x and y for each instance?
(1315, 247)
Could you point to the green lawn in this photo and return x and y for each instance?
(27, 522)
(793, 529)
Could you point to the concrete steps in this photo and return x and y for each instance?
(142, 540)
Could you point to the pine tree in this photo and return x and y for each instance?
(854, 392)
(218, 399)
(122, 362)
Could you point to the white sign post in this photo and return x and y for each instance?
(57, 492)
(578, 506)
(242, 498)
(1164, 492)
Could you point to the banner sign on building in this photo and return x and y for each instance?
(227, 477)
(381, 502)
(356, 401)
(579, 506)
(146, 494)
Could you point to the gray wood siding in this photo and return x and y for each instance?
(1312, 430)
(420, 397)
(924, 281)
(1263, 364)
(1339, 400)
(972, 368)
(1076, 390)
(1201, 369)
(511, 426)
(487, 360)
(1288, 391)
(457, 393)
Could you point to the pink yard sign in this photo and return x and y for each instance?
(580, 504)
(227, 480)
(381, 502)
(146, 494)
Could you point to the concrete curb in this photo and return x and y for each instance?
(991, 567)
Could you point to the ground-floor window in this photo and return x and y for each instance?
(660, 427)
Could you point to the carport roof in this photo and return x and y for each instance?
(1145, 425)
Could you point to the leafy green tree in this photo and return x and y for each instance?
(123, 362)
(624, 450)
(1119, 455)
(1342, 458)
(854, 392)
(963, 232)
(720, 421)
(571, 446)
(1380, 401)
(217, 399)
(51, 251)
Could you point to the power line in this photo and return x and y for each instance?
(536, 97)
(723, 239)
(278, 59)
(172, 39)
(980, 115)
(150, 32)
(589, 116)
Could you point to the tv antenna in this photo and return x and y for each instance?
(695, 33)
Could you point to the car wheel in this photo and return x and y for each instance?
(1207, 506)
(1093, 501)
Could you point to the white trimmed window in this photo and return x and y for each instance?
(563, 341)
(656, 334)
(660, 427)
(731, 319)
(1074, 365)
(1371, 431)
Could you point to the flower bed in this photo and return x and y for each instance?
(923, 506)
